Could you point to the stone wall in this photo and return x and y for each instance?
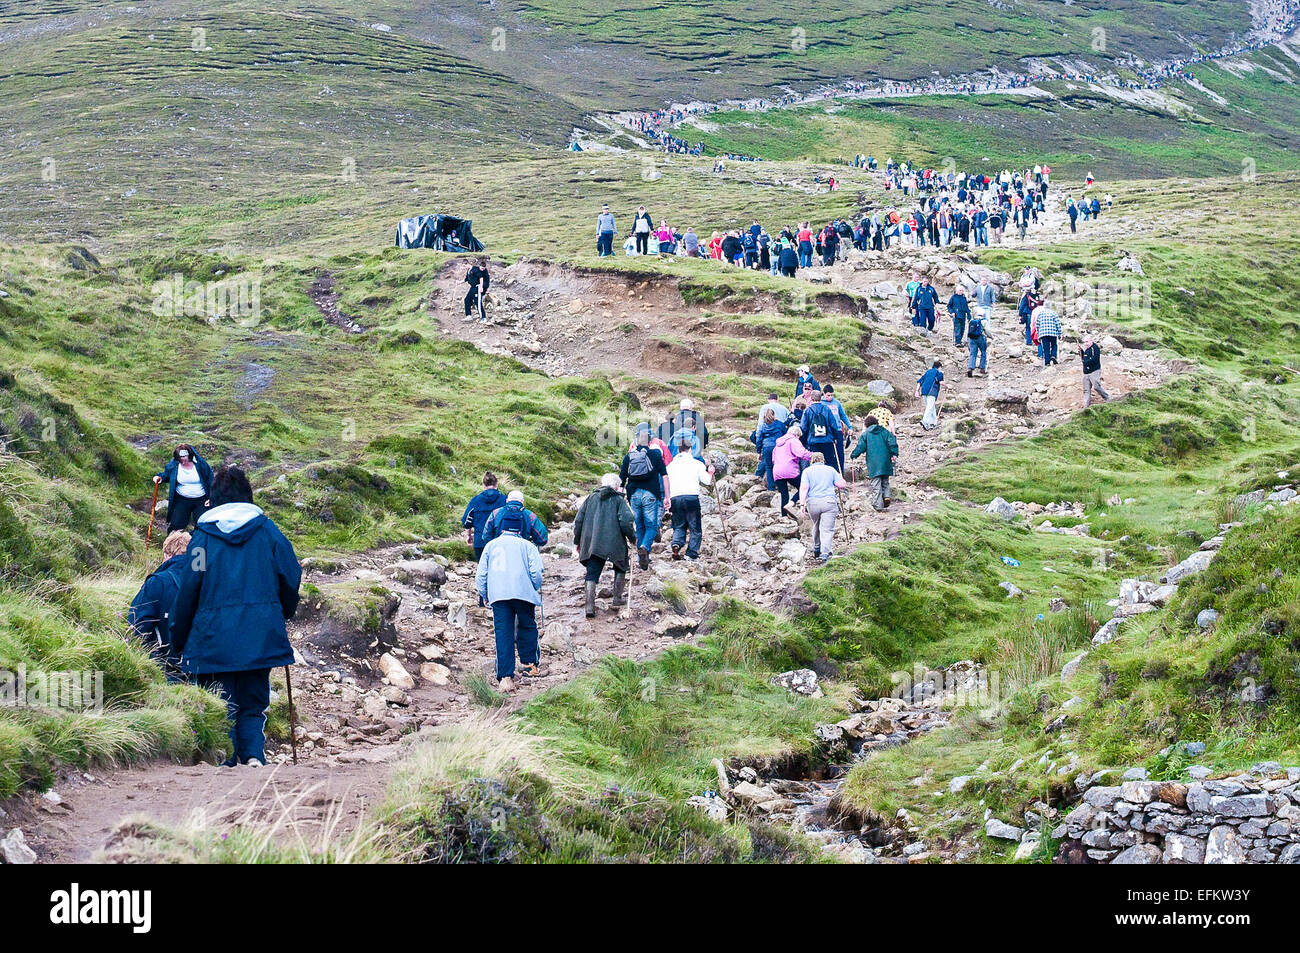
(1253, 817)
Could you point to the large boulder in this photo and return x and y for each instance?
(1001, 508)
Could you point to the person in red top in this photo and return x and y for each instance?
(804, 238)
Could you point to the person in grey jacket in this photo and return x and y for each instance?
(986, 294)
(510, 579)
(605, 232)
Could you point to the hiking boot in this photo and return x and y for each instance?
(506, 685)
(677, 551)
(619, 599)
(591, 600)
(970, 373)
(643, 557)
(533, 670)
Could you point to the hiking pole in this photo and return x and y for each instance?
(293, 718)
(717, 501)
(148, 533)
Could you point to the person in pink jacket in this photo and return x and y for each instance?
(786, 457)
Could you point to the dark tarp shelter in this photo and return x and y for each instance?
(439, 232)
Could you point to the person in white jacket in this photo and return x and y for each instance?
(510, 579)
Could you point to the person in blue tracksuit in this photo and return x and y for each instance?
(150, 612)
(238, 586)
(514, 515)
(189, 480)
(478, 510)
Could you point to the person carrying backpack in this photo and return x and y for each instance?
(977, 340)
(881, 448)
(513, 516)
(642, 226)
(150, 614)
(601, 531)
(644, 476)
(477, 511)
(820, 425)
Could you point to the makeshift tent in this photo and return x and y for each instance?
(439, 232)
(575, 146)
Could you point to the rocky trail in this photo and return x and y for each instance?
(391, 642)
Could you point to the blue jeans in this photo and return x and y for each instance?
(686, 518)
(1049, 350)
(605, 244)
(805, 255)
(247, 696)
(958, 328)
(515, 624)
(647, 511)
(1029, 334)
(978, 347)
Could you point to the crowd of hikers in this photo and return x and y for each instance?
(933, 208)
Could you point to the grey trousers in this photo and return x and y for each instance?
(822, 514)
(879, 492)
(1092, 382)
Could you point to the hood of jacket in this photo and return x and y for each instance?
(233, 522)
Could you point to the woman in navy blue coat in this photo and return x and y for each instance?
(239, 587)
(189, 481)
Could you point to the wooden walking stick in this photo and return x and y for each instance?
(293, 717)
(717, 501)
(148, 533)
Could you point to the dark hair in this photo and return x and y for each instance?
(176, 454)
(230, 485)
(828, 389)
(935, 364)
(872, 421)
(489, 478)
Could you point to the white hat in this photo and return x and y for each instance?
(516, 496)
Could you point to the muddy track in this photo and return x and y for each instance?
(356, 727)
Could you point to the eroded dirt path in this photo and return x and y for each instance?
(401, 602)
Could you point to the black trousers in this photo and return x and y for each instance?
(185, 512)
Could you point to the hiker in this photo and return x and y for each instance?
(238, 586)
(601, 531)
(923, 304)
(1073, 211)
(805, 382)
(928, 386)
(881, 448)
(765, 439)
(691, 243)
(605, 232)
(788, 259)
(509, 579)
(477, 511)
(688, 418)
(478, 280)
(1028, 302)
(959, 308)
(820, 424)
(846, 426)
(150, 612)
(820, 503)
(778, 409)
(1090, 355)
(1047, 324)
(642, 226)
(644, 475)
(977, 338)
(189, 480)
(685, 476)
(805, 240)
(788, 457)
(986, 294)
(515, 516)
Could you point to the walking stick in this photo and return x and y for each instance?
(293, 717)
(717, 501)
(148, 533)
